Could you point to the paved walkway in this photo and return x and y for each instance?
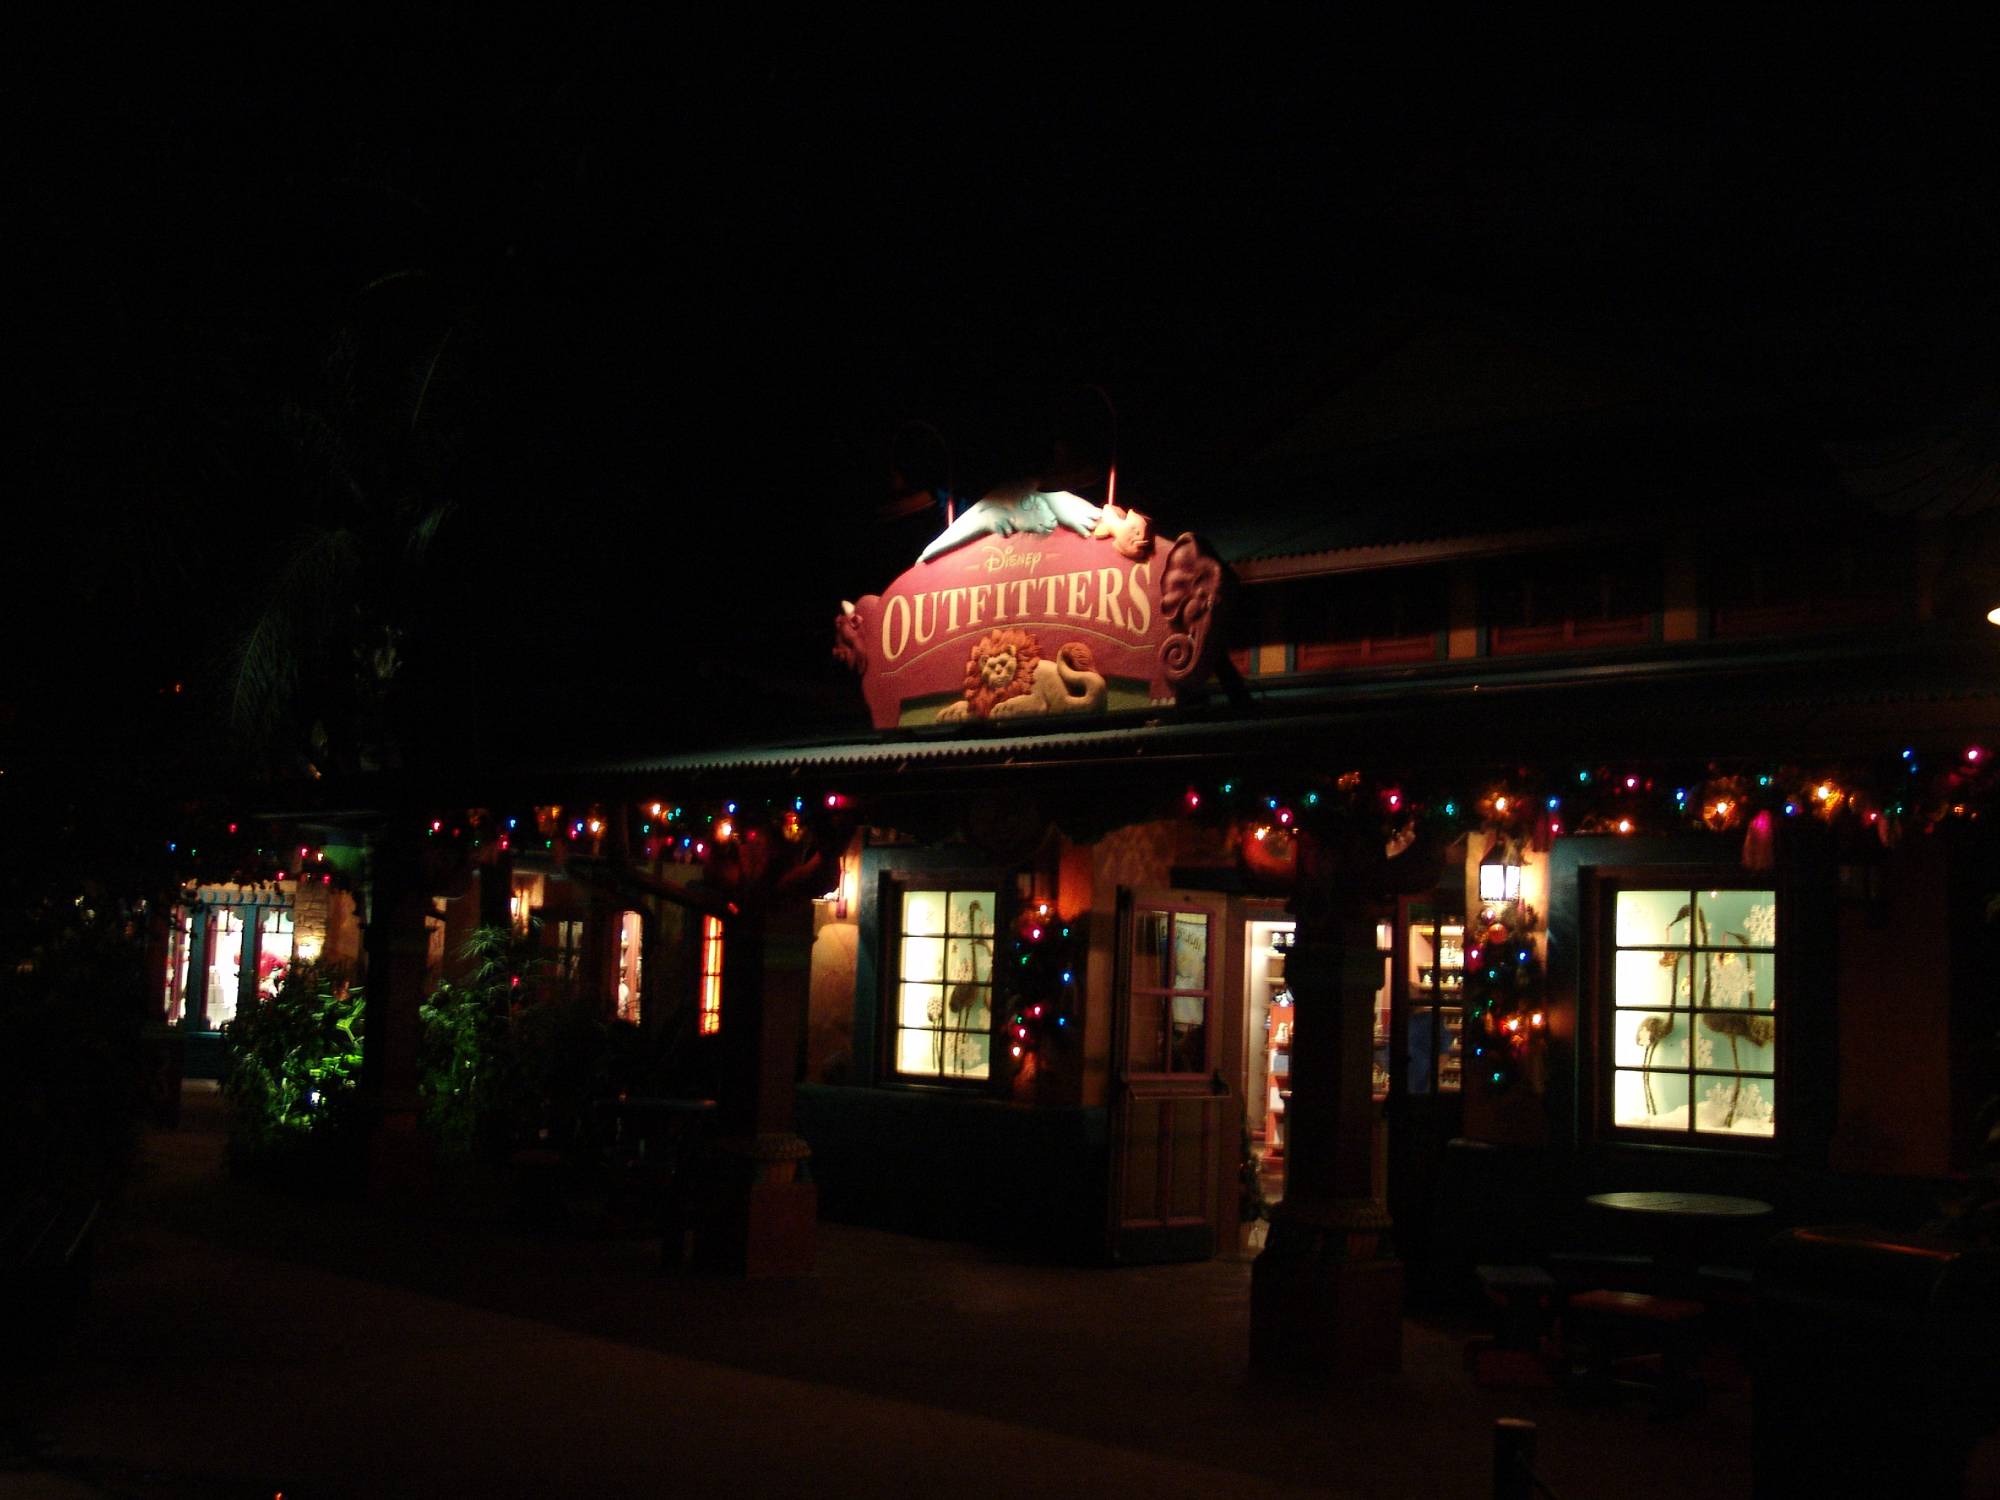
(241, 1343)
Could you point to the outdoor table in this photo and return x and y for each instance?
(642, 1126)
(1682, 1224)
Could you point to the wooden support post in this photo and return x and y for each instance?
(194, 994)
(397, 949)
(756, 1208)
(1326, 1294)
(249, 952)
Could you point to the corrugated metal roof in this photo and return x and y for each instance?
(1715, 699)
(894, 748)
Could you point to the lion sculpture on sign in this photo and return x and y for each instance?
(1008, 677)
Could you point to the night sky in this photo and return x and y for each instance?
(650, 313)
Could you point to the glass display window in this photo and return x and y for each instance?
(178, 950)
(275, 943)
(229, 945)
(631, 952)
(942, 1008)
(1378, 1068)
(1692, 1041)
(711, 976)
(1434, 979)
(224, 978)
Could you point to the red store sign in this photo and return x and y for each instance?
(1038, 604)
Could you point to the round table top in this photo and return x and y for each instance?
(1682, 1205)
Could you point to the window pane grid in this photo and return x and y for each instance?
(943, 1011)
(1168, 992)
(1693, 1014)
(711, 976)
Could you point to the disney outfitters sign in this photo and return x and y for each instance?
(1036, 602)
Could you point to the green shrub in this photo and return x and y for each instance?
(496, 1073)
(292, 1070)
(467, 1076)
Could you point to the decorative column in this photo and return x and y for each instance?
(756, 1208)
(1326, 1295)
(249, 955)
(397, 947)
(194, 994)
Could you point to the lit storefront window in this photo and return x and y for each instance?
(213, 938)
(944, 990)
(631, 944)
(276, 943)
(1694, 990)
(711, 975)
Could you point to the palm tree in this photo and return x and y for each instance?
(321, 676)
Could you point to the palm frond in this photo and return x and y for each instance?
(424, 529)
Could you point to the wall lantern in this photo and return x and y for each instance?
(1499, 874)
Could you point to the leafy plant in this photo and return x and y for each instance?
(470, 1077)
(292, 1066)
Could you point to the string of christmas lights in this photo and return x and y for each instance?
(1503, 993)
(1047, 951)
(1916, 790)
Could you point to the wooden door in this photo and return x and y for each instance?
(1174, 1115)
(1426, 1067)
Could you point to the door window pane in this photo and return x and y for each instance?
(1190, 950)
(1170, 995)
(1146, 1049)
(225, 964)
(1152, 949)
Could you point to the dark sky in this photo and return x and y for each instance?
(668, 300)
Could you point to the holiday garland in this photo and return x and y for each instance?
(1047, 955)
(1503, 994)
(1865, 803)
